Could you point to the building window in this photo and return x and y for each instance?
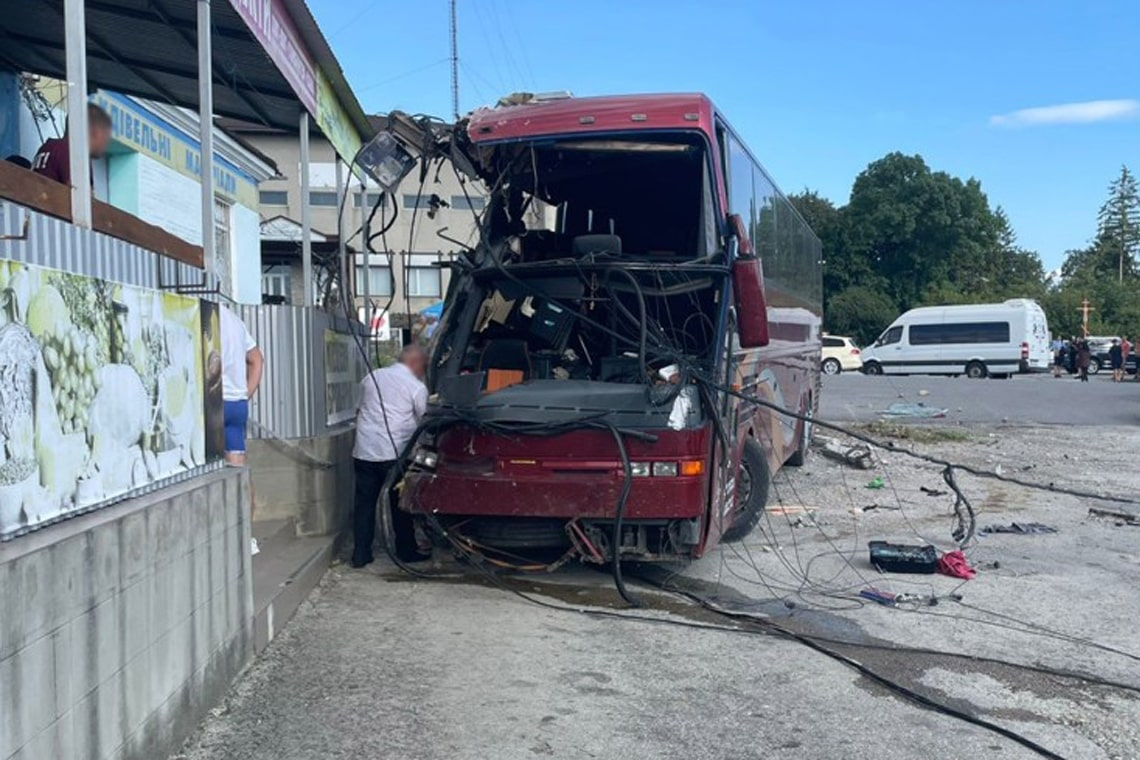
(273, 198)
(468, 202)
(222, 243)
(379, 281)
(323, 198)
(423, 277)
(411, 200)
(277, 282)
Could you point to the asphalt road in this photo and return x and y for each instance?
(381, 665)
(1023, 399)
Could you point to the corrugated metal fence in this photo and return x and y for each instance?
(291, 401)
(54, 243)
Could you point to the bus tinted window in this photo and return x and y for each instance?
(789, 251)
(959, 332)
(893, 335)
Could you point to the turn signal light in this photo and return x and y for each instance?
(693, 467)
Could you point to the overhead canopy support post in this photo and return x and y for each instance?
(342, 192)
(79, 148)
(306, 215)
(206, 139)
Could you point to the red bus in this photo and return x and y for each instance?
(637, 271)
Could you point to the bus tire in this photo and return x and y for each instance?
(752, 486)
(976, 370)
(872, 368)
(799, 456)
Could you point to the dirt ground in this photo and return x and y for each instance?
(377, 665)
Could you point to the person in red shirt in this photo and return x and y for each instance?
(52, 158)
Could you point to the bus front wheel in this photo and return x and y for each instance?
(751, 491)
(872, 368)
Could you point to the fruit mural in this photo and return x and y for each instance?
(102, 391)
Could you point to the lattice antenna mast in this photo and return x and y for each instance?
(454, 64)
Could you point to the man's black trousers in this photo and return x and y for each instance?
(370, 477)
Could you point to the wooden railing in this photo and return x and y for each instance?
(50, 197)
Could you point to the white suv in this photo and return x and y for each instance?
(840, 355)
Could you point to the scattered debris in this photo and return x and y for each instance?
(1124, 516)
(891, 599)
(924, 392)
(254, 549)
(1020, 528)
(859, 455)
(872, 507)
(876, 483)
(919, 410)
(902, 558)
(956, 565)
(779, 509)
(933, 491)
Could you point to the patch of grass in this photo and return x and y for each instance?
(916, 433)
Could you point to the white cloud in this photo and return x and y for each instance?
(1069, 113)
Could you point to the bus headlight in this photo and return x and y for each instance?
(639, 469)
(665, 469)
(426, 458)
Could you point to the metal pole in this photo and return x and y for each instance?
(344, 195)
(454, 63)
(366, 284)
(206, 138)
(306, 214)
(79, 149)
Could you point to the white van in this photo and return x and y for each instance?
(977, 340)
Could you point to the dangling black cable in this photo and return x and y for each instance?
(619, 516)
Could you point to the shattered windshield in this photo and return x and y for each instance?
(598, 262)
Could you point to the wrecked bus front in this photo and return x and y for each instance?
(585, 369)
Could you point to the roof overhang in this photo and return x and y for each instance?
(270, 60)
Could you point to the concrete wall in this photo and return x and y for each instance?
(291, 481)
(119, 629)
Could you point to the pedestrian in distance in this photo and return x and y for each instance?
(1058, 358)
(242, 365)
(393, 400)
(1084, 359)
(1116, 359)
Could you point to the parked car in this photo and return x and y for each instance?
(840, 355)
(1100, 359)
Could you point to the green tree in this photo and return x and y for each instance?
(918, 228)
(830, 225)
(860, 312)
(1118, 224)
(1016, 272)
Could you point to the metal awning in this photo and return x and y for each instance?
(261, 61)
(149, 48)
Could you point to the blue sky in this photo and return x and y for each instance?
(819, 88)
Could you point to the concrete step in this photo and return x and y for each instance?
(270, 530)
(285, 570)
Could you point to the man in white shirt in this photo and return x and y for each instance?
(392, 402)
(242, 364)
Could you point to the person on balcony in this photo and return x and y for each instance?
(52, 158)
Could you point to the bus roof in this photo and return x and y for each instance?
(571, 115)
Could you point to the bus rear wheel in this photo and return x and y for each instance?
(976, 370)
(751, 491)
